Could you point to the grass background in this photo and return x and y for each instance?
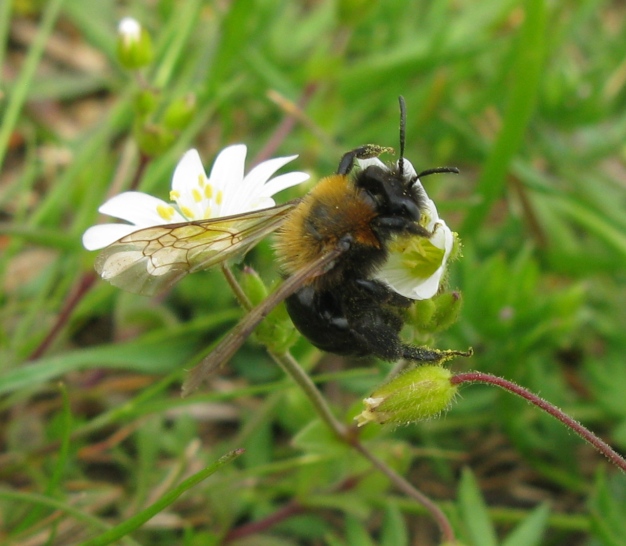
(527, 98)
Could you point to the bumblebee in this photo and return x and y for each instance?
(345, 311)
(330, 244)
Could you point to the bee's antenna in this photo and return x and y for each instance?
(438, 170)
(402, 133)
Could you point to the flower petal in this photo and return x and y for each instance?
(227, 175)
(97, 237)
(260, 174)
(137, 208)
(229, 166)
(188, 184)
(187, 171)
(283, 182)
(365, 163)
(407, 168)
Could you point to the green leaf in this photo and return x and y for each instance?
(608, 509)
(474, 512)
(394, 531)
(530, 531)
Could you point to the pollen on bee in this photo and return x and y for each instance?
(208, 191)
(219, 197)
(197, 196)
(166, 212)
(188, 213)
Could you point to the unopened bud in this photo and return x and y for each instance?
(419, 393)
(134, 45)
(276, 331)
(152, 139)
(180, 112)
(437, 313)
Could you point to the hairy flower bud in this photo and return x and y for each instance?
(419, 393)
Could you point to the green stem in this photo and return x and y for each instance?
(345, 434)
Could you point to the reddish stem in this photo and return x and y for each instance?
(141, 167)
(584, 433)
(291, 509)
(285, 127)
(83, 286)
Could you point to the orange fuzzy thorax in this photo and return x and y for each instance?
(331, 210)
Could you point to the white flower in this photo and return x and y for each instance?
(416, 264)
(225, 192)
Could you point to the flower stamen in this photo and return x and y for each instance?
(166, 212)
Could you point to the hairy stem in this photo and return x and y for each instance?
(572, 424)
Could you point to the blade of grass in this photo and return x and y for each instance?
(76, 513)
(24, 80)
(527, 70)
(139, 519)
(61, 463)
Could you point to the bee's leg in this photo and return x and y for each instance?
(385, 344)
(421, 354)
(346, 164)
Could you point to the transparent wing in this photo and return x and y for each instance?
(151, 260)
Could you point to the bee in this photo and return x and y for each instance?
(330, 243)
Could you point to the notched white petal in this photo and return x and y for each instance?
(283, 182)
(260, 174)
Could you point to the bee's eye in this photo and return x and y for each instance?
(407, 209)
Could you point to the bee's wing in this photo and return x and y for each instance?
(227, 347)
(152, 259)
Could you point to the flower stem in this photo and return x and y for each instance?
(410, 491)
(83, 286)
(348, 435)
(86, 281)
(584, 433)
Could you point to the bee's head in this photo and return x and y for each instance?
(396, 189)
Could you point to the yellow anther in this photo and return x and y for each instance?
(207, 213)
(197, 196)
(219, 197)
(166, 212)
(188, 213)
(174, 195)
(201, 180)
(208, 191)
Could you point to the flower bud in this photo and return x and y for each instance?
(180, 112)
(145, 102)
(419, 393)
(253, 286)
(151, 138)
(276, 331)
(134, 45)
(437, 313)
